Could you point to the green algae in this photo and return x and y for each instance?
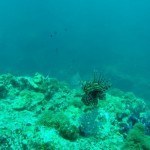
(61, 123)
(136, 139)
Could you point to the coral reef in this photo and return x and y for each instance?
(43, 113)
(136, 139)
(90, 123)
(61, 123)
(69, 132)
(3, 91)
(138, 112)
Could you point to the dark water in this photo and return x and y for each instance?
(65, 37)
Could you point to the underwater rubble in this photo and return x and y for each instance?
(42, 113)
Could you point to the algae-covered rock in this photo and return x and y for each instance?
(27, 100)
(53, 119)
(21, 104)
(42, 84)
(38, 78)
(4, 85)
(136, 139)
(3, 91)
(69, 132)
(61, 123)
(6, 78)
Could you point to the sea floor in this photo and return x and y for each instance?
(42, 113)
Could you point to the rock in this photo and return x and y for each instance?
(3, 91)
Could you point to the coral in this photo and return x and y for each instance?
(3, 91)
(38, 83)
(136, 139)
(61, 123)
(42, 113)
(52, 119)
(145, 120)
(14, 140)
(4, 85)
(6, 79)
(45, 146)
(27, 100)
(132, 119)
(69, 132)
(89, 123)
(94, 90)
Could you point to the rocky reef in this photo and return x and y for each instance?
(42, 113)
